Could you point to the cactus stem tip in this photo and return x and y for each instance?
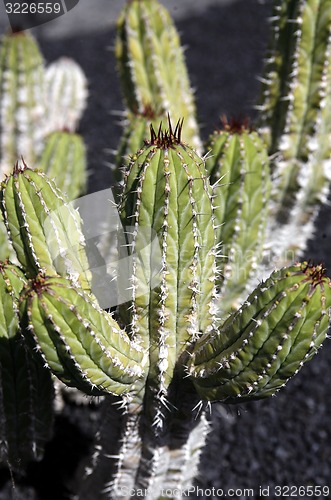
(20, 167)
(166, 138)
(315, 273)
(236, 125)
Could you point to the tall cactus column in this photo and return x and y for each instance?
(294, 117)
(238, 166)
(152, 67)
(22, 100)
(167, 192)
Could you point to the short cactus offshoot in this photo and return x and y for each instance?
(194, 328)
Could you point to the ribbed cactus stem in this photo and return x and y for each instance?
(295, 116)
(294, 71)
(315, 172)
(26, 388)
(166, 190)
(82, 344)
(22, 100)
(152, 66)
(261, 346)
(66, 90)
(45, 230)
(64, 160)
(238, 165)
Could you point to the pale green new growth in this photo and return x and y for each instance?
(66, 92)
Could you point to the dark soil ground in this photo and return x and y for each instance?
(283, 441)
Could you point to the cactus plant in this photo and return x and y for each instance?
(188, 335)
(238, 167)
(36, 103)
(64, 159)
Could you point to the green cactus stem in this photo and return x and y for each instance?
(295, 80)
(238, 165)
(26, 387)
(64, 159)
(261, 346)
(45, 230)
(82, 344)
(295, 119)
(66, 90)
(166, 190)
(152, 66)
(22, 100)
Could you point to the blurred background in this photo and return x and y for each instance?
(285, 440)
